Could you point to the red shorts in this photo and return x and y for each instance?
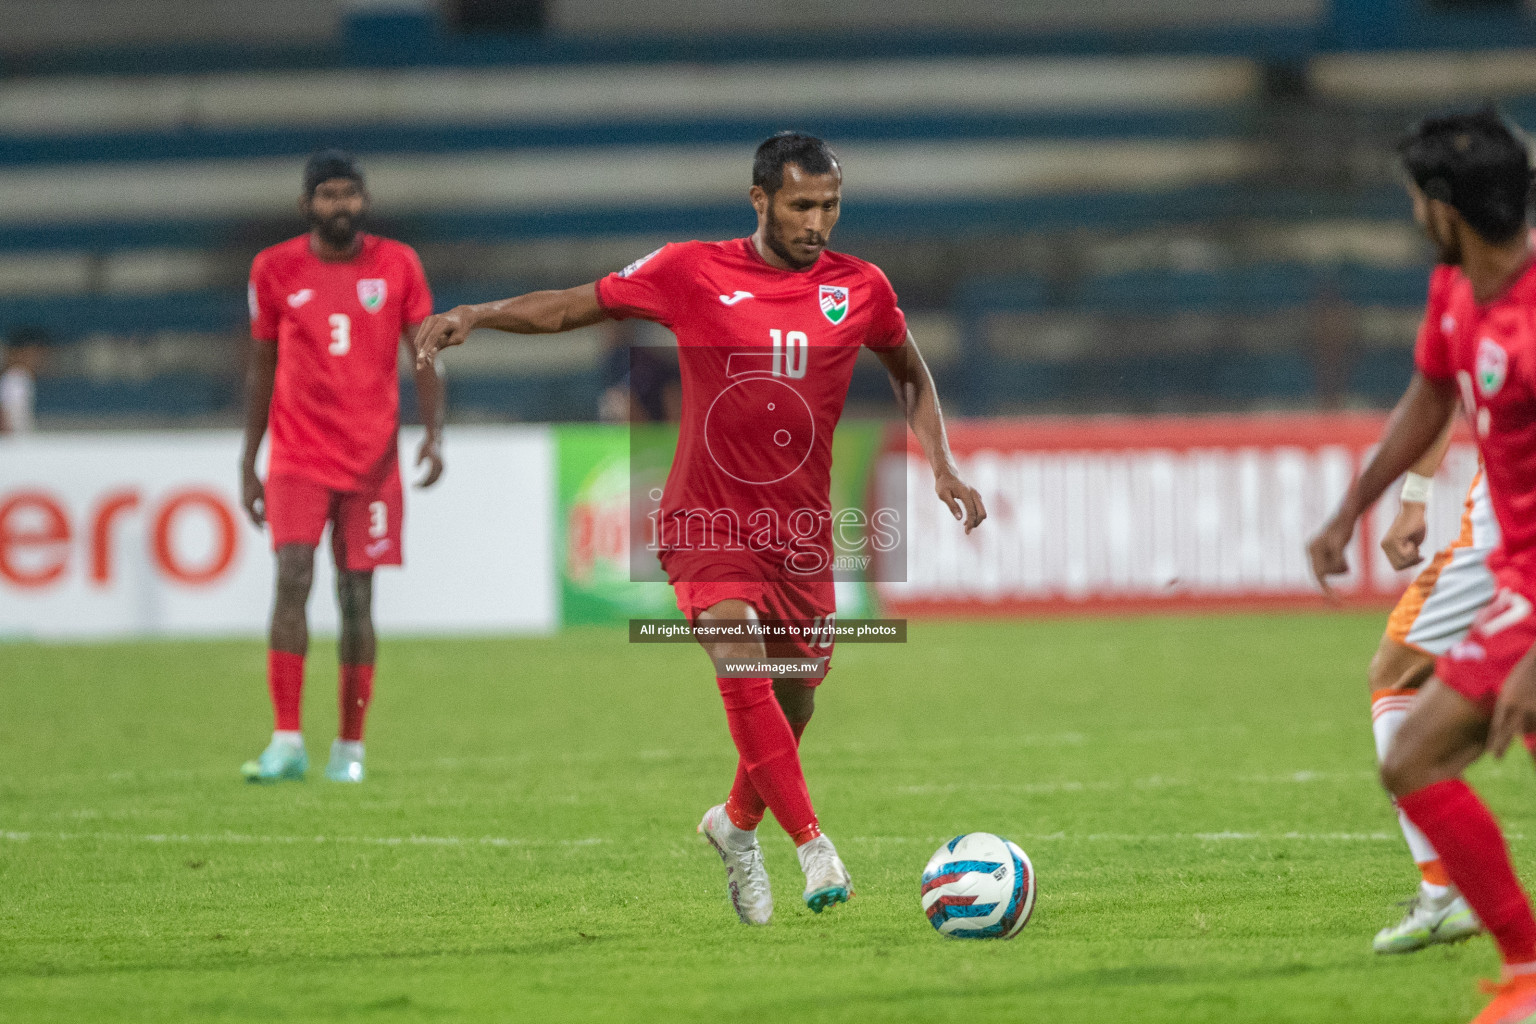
(1500, 636)
(365, 525)
(807, 604)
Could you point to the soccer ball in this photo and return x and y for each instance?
(979, 886)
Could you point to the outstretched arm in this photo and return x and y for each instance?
(919, 402)
(547, 312)
(1416, 423)
(431, 407)
(260, 372)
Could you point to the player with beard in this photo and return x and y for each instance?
(1470, 178)
(329, 311)
(768, 329)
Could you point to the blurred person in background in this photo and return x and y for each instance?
(642, 383)
(1332, 329)
(18, 382)
(329, 312)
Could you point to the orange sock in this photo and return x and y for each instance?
(1434, 873)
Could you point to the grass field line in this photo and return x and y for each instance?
(1163, 837)
(246, 839)
(1303, 777)
(242, 839)
(583, 756)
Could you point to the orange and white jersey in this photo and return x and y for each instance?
(1437, 609)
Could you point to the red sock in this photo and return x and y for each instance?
(356, 692)
(1472, 849)
(766, 746)
(285, 681)
(744, 806)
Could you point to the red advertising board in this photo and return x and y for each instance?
(1148, 514)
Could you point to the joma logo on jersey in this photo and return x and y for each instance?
(1492, 367)
(371, 292)
(834, 302)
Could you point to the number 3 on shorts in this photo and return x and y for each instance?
(1507, 609)
(378, 520)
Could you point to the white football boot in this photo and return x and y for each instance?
(746, 877)
(826, 880)
(1427, 922)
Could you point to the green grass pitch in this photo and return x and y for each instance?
(1197, 795)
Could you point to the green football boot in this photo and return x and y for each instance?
(283, 759)
(346, 764)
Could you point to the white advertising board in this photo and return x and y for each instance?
(115, 534)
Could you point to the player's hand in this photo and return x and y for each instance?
(430, 452)
(1326, 552)
(963, 501)
(1515, 713)
(253, 496)
(1405, 536)
(440, 331)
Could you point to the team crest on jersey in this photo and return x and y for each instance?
(834, 302)
(371, 292)
(1492, 367)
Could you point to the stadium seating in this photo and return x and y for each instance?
(130, 203)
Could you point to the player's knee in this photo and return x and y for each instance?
(1399, 771)
(797, 699)
(354, 594)
(736, 651)
(295, 574)
(1397, 667)
(1376, 675)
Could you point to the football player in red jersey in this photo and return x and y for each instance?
(1470, 177)
(329, 311)
(768, 329)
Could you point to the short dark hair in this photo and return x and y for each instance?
(1476, 162)
(328, 164)
(807, 152)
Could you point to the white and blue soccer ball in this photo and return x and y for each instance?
(979, 886)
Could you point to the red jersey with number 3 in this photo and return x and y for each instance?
(1489, 352)
(337, 326)
(766, 357)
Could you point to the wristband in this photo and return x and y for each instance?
(1417, 488)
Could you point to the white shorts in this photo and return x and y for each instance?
(1437, 609)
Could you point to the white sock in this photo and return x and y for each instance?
(352, 750)
(292, 737)
(1435, 893)
(1388, 709)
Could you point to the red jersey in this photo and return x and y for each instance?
(337, 326)
(1489, 351)
(766, 356)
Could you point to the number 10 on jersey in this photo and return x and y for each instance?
(789, 360)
